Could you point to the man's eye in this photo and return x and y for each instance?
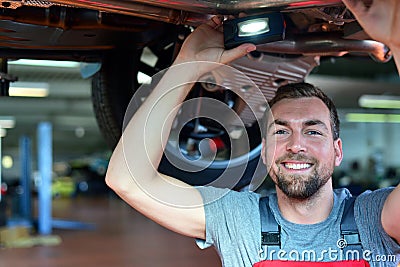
(280, 132)
(313, 133)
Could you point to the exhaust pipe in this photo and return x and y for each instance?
(328, 45)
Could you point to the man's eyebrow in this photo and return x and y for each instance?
(277, 122)
(316, 122)
(306, 123)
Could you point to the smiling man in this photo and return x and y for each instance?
(301, 148)
(303, 144)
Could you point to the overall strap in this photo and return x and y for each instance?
(348, 229)
(270, 230)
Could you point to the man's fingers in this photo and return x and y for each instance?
(237, 52)
(358, 7)
(215, 21)
(350, 3)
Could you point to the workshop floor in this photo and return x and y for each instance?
(122, 238)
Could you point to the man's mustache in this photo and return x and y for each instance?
(295, 157)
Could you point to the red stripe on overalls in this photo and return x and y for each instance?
(283, 263)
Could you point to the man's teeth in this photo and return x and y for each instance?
(294, 166)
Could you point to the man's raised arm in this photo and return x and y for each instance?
(381, 20)
(132, 171)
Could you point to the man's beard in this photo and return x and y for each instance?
(302, 187)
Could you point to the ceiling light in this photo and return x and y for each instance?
(143, 78)
(7, 122)
(379, 101)
(7, 162)
(373, 117)
(45, 63)
(258, 29)
(29, 89)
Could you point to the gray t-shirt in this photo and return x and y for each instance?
(233, 227)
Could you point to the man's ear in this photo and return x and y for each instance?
(338, 151)
(263, 144)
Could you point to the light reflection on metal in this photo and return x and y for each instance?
(191, 12)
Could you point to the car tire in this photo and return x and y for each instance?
(112, 89)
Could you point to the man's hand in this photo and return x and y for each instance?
(379, 18)
(206, 43)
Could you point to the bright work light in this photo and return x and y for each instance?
(258, 29)
(253, 27)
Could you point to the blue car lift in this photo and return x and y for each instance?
(45, 221)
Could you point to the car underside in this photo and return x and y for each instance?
(116, 34)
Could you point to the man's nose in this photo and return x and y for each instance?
(296, 143)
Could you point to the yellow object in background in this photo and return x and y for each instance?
(63, 187)
(19, 237)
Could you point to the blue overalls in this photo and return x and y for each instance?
(271, 239)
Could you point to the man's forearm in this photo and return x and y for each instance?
(132, 171)
(396, 57)
(391, 214)
(140, 149)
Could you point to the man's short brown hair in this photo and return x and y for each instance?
(301, 90)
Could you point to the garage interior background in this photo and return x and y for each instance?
(76, 136)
